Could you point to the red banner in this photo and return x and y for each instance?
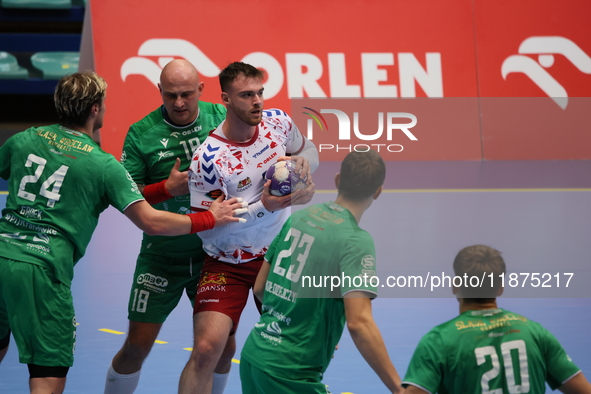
(541, 49)
(393, 49)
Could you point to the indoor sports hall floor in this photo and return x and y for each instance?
(537, 213)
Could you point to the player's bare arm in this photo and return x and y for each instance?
(578, 384)
(156, 222)
(368, 339)
(259, 284)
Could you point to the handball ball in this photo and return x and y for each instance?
(284, 179)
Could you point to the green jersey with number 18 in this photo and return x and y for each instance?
(303, 313)
(149, 153)
(489, 351)
(60, 181)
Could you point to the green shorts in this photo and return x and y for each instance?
(158, 285)
(40, 313)
(257, 381)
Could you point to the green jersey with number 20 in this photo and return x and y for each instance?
(489, 351)
(59, 181)
(303, 315)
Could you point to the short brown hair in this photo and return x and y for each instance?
(362, 173)
(233, 71)
(75, 95)
(480, 261)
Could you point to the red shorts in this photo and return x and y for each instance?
(224, 287)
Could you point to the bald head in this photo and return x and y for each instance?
(179, 70)
(180, 88)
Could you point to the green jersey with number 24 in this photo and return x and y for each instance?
(59, 182)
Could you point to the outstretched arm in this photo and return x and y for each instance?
(368, 339)
(156, 222)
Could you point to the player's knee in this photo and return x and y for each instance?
(206, 352)
(40, 371)
(5, 341)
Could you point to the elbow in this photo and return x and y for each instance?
(354, 327)
(357, 325)
(151, 230)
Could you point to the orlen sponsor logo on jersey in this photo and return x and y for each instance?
(268, 159)
(303, 70)
(545, 47)
(152, 279)
(389, 123)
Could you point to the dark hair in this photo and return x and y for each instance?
(362, 173)
(233, 71)
(75, 95)
(480, 260)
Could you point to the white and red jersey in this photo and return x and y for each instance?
(237, 170)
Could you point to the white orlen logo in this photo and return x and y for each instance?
(546, 47)
(166, 49)
(175, 134)
(274, 328)
(303, 71)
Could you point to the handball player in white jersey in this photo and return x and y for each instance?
(232, 161)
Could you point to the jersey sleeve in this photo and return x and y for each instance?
(205, 181)
(296, 141)
(294, 138)
(358, 263)
(560, 367)
(131, 157)
(425, 368)
(120, 188)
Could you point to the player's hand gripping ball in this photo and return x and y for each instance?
(284, 179)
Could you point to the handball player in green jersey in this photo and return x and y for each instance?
(290, 348)
(165, 139)
(59, 181)
(487, 349)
